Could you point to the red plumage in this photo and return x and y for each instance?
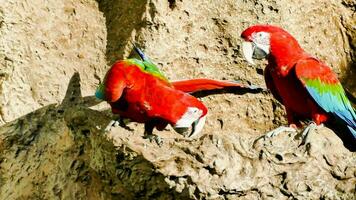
(141, 97)
(137, 90)
(285, 57)
(307, 87)
(195, 85)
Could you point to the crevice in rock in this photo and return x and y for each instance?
(172, 4)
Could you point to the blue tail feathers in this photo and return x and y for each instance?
(140, 53)
(353, 132)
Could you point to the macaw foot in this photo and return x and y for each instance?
(154, 138)
(310, 128)
(123, 123)
(117, 122)
(112, 123)
(277, 131)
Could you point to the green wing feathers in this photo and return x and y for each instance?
(148, 67)
(326, 90)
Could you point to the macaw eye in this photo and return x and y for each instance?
(261, 38)
(194, 110)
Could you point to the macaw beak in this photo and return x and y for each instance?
(250, 50)
(247, 51)
(181, 130)
(197, 126)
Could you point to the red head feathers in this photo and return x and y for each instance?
(264, 40)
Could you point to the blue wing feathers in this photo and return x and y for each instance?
(327, 92)
(331, 104)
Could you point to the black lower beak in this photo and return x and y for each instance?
(258, 53)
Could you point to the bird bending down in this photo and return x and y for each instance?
(138, 91)
(306, 86)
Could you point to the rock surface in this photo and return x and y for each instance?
(52, 143)
(42, 43)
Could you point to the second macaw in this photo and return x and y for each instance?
(306, 86)
(137, 90)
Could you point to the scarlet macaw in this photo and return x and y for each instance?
(137, 90)
(306, 86)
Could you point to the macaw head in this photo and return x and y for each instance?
(193, 119)
(262, 41)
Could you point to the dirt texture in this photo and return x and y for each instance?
(52, 142)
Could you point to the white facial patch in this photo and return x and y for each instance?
(262, 41)
(191, 115)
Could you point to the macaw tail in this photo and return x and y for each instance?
(345, 132)
(349, 136)
(349, 139)
(353, 132)
(352, 129)
(204, 84)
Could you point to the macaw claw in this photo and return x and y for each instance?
(154, 138)
(111, 124)
(310, 128)
(276, 132)
(116, 123)
(279, 130)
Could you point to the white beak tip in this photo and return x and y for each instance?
(247, 51)
(198, 128)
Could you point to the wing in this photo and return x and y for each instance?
(113, 85)
(326, 90)
(270, 84)
(148, 67)
(153, 69)
(204, 84)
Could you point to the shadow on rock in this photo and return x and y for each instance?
(237, 91)
(350, 82)
(123, 21)
(72, 105)
(60, 151)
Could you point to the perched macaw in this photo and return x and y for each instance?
(137, 90)
(306, 86)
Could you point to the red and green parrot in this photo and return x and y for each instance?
(306, 86)
(137, 90)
